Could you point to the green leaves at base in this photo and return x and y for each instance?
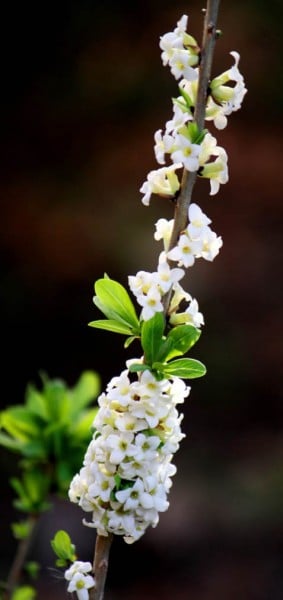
(115, 303)
(160, 349)
(63, 548)
(186, 368)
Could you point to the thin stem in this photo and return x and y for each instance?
(20, 558)
(100, 566)
(189, 178)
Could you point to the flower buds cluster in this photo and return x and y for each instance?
(196, 241)
(127, 468)
(187, 147)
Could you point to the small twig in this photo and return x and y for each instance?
(189, 178)
(100, 566)
(20, 558)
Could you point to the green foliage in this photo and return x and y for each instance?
(63, 548)
(159, 346)
(186, 368)
(25, 592)
(159, 349)
(32, 568)
(21, 530)
(115, 303)
(32, 491)
(50, 432)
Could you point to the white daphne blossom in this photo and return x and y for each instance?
(163, 181)
(179, 119)
(150, 287)
(191, 316)
(126, 476)
(79, 581)
(163, 231)
(230, 98)
(186, 153)
(216, 170)
(180, 51)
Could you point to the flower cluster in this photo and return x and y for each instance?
(187, 147)
(79, 581)
(127, 468)
(196, 241)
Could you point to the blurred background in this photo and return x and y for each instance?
(83, 91)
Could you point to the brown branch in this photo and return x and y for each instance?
(100, 566)
(188, 178)
(20, 558)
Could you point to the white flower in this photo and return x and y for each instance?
(181, 63)
(197, 220)
(79, 581)
(154, 495)
(166, 277)
(229, 97)
(173, 39)
(211, 244)
(185, 251)
(163, 231)
(102, 486)
(119, 444)
(163, 181)
(130, 497)
(186, 153)
(178, 296)
(180, 118)
(190, 316)
(140, 283)
(195, 317)
(216, 171)
(151, 303)
(163, 145)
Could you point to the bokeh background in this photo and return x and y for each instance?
(83, 91)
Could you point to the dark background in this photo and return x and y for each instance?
(83, 91)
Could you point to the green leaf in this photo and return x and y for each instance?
(25, 592)
(129, 340)
(36, 402)
(181, 339)
(21, 530)
(111, 325)
(115, 303)
(187, 368)
(187, 98)
(32, 568)
(10, 443)
(20, 423)
(82, 428)
(85, 391)
(151, 336)
(137, 367)
(62, 546)
(32, 491)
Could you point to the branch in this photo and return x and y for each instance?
(100, 566)
(188, 178)
(20, 558)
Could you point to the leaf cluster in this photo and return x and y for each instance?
(50, 432)
(160, 347)
(63, 548)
